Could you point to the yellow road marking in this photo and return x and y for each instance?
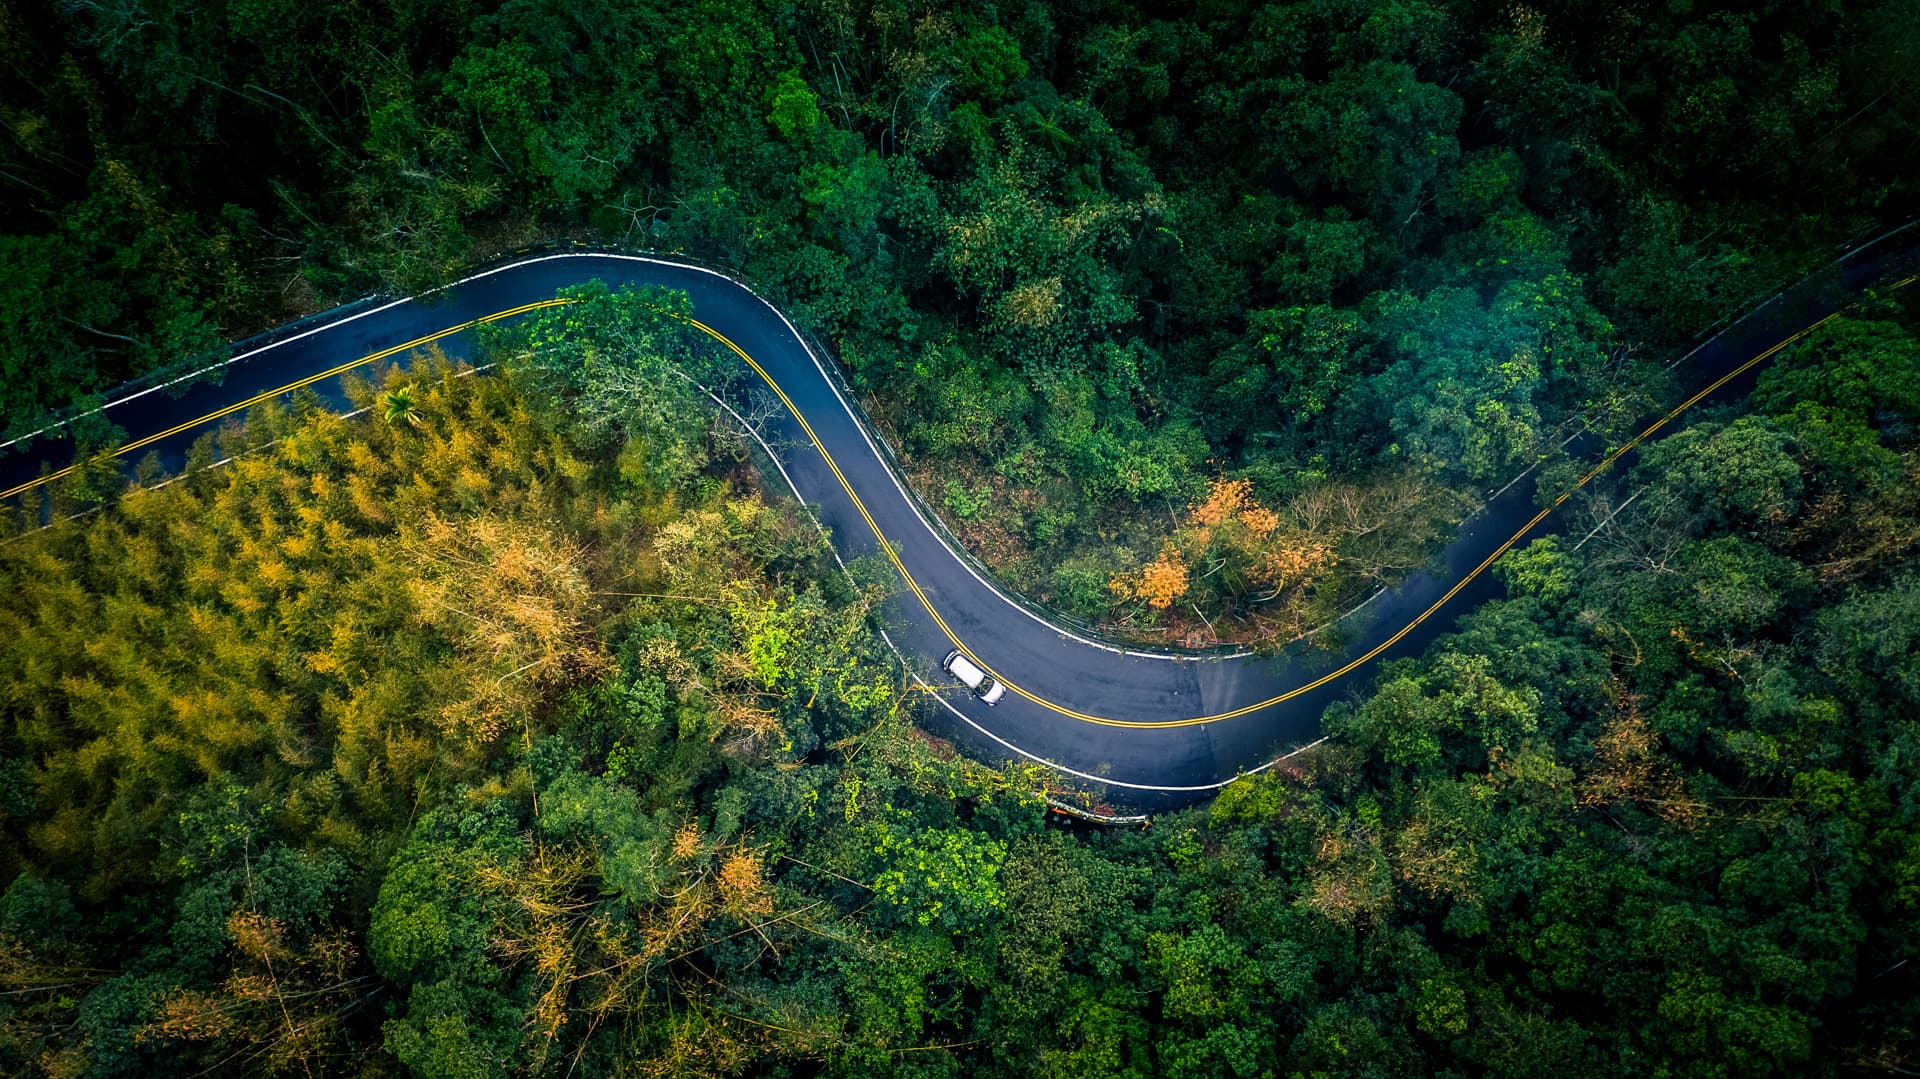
(142, 443)
(914, 585)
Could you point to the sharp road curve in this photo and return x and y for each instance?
(1156, 729)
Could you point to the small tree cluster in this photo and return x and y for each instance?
(1234, 555)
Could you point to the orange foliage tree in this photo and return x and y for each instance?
(1158, 583)
(1243, 559)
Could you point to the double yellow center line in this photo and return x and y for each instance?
(142, 443)
(892, 556)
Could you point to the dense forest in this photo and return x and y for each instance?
(516, 726)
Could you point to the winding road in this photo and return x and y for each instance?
(1155, 729)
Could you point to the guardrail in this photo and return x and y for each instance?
(1754, 303)
(1829, 274)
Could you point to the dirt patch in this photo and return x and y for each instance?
(995, 534)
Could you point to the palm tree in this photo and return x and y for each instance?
(398, 404)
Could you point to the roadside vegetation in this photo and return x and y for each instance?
(514, 727)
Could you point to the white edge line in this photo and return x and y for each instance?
(1751, 310)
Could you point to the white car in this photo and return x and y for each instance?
(976, 679)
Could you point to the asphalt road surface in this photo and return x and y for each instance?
(1153, 729)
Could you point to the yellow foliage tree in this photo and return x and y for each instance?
(1159, 583)
(515, 596)
(284, 1004)
(1629, 765)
